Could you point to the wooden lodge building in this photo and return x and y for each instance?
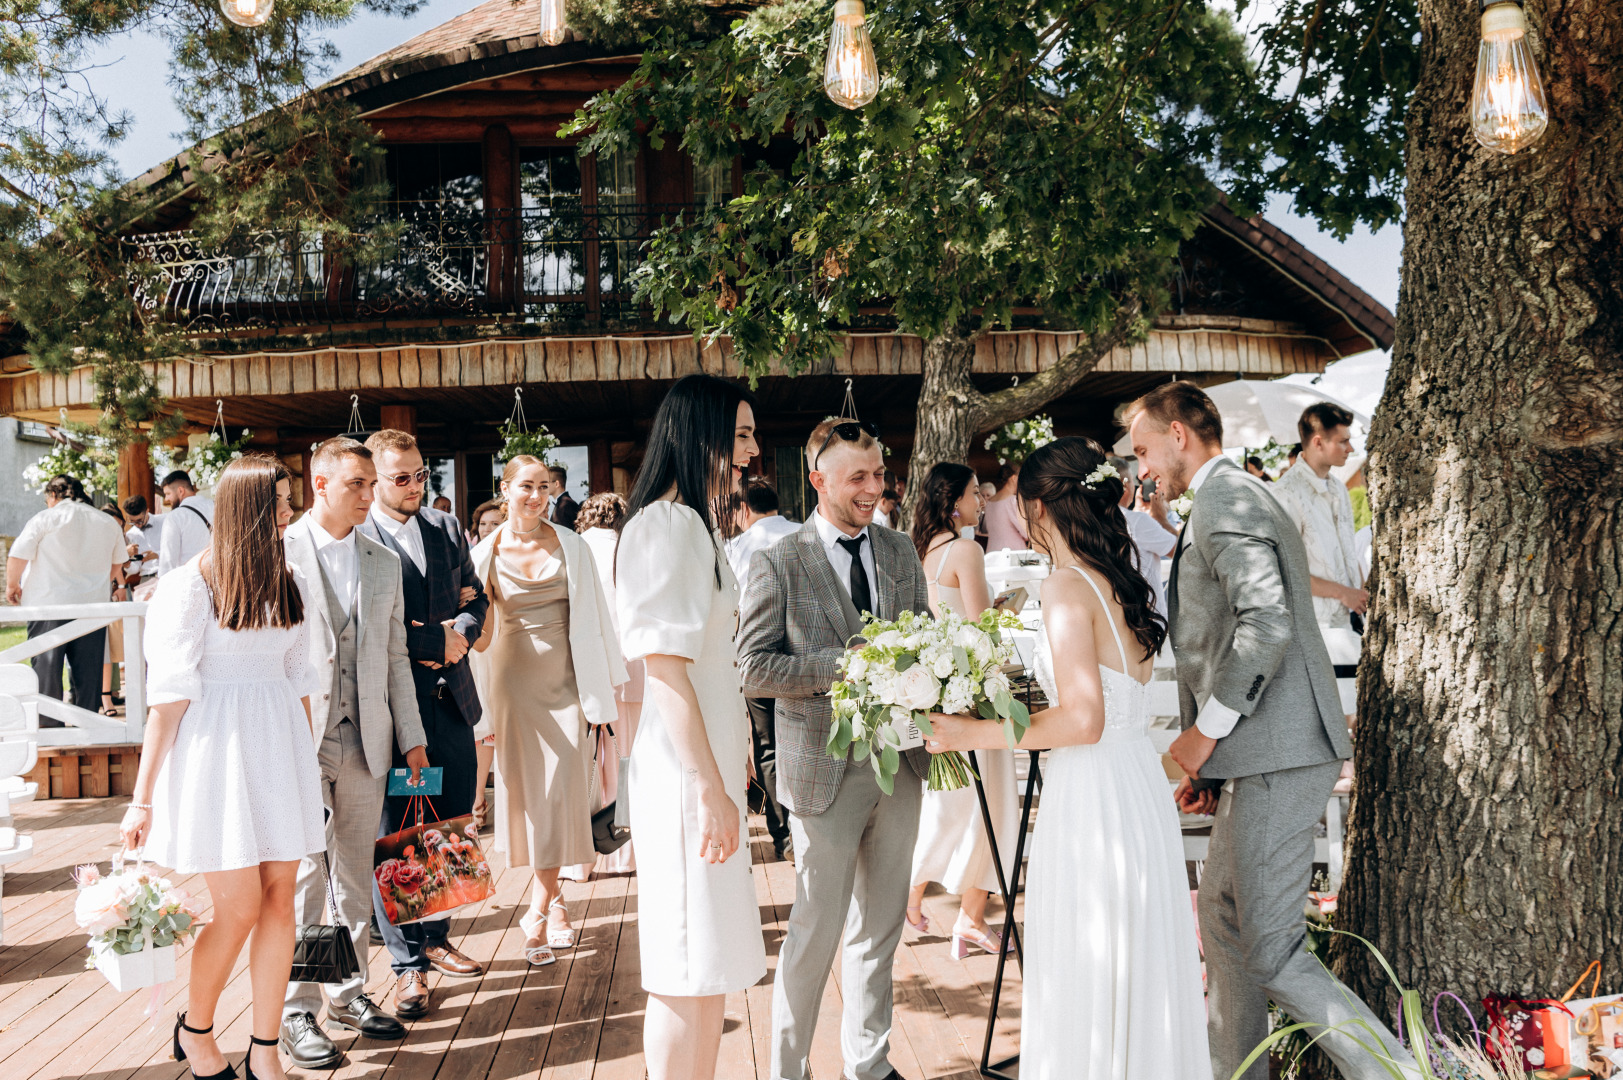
(512, 271)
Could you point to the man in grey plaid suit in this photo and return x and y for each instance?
(853, 844)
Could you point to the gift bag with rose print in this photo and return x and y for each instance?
(1532, 1034)
(430, 867)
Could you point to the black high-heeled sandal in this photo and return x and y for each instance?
(227, 1073)
(248, 1062)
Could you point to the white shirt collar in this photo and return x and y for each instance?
(1202, 473)
(324, 539)
(387, 522)
(830, 533)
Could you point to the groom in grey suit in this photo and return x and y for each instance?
(1261, 719)
(366, 705)
(853, 844)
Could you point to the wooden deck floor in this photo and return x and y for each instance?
(579, 1019)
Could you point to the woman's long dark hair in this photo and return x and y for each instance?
(691, 447)
(1088, 518)
(945, 485)
(245, 567)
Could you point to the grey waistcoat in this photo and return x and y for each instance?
(345, 689)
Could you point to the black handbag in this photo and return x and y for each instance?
(324, 954)
(608, 835)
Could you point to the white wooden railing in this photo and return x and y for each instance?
(86, 728)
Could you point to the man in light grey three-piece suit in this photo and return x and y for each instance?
(366, 705)
(853, 844)
(1263, 741)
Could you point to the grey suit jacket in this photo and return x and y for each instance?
(388, 699)
(1240, 608)
(794, 623)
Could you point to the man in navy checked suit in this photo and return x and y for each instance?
(445, 613)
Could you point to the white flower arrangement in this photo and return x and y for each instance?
(915, 665)
(1183, 504)
(94, 464)
(1013, 443)
(130, 910)
(1105, 471)
(205, 462)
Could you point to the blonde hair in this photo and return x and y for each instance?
(820, 435)
(391, 439)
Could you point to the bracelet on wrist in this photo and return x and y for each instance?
(140, 806)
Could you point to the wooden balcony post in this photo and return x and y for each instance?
(400, 418)
(599, 466)
(135, 472)
(501, 216)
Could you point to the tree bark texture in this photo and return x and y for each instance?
(1487, 829)
(952, 411)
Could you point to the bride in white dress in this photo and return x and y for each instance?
(1112, 971)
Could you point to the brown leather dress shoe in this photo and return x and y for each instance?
(411, 995)
(449, 960)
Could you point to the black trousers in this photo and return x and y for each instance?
(84, 655)
(450, 747)
(764, 748)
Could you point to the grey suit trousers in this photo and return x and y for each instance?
(1252, 895)
(355, 798)
(853, 867)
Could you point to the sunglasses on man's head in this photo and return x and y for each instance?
(402, 479)
(849, 431)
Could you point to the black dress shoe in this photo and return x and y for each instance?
(363, 1016)
(307, 1044)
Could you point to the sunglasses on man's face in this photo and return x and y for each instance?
(402, 479)
(849, 431)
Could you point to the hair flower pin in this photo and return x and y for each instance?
(1104, 472)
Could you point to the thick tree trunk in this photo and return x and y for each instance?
(952, 411)
(1487, 831)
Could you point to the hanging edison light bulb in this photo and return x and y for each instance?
(850, 77)
(552, 22)
(247, 12)
(1508, 110)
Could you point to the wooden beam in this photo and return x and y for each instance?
(599, 466)
(400, 418)
(457, 105)
(467, 129)
(135, 473)
(502, 197)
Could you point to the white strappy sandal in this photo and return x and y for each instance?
(539, 954)
(562, 937)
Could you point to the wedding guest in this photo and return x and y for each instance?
(553, 661)
(1005, 530)
(601, 518)
(68, 553)
(113, 638)
(1254, 466)
(853, 843)
(888, 503)
(486, 518)
(142, 532)
(1322, 511)
(561, 506)
(442, 503)
(678, 603)
(952, 847)
(228, 785)
(1150, 527)
(187, 525)
(441, 626)
(1292, 454)
(761, 526)
(366, 707)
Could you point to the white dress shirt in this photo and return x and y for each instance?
(1215, 719)
(759, 536)
(184, 533)
(70, 549)
(840, 559)
(339, 562)
(1323, 513)
(408, 534)
(1151, 544)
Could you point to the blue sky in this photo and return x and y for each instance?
(132, 76)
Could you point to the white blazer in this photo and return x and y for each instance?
(593, 645)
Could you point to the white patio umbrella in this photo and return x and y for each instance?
(1254, 410)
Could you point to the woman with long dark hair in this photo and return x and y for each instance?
(1112, 976)
(952, 847)
(228, 785)
(699, 924)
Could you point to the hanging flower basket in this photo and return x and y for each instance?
(208, 457)
(89, 459)
(518, 438)
(1013, 443)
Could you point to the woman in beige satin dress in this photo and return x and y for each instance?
(552, 660)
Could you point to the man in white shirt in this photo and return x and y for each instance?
(761, 526)
(68, 553)
(141, 537)
(191, 517)
(1153, 535)
(1322, 510)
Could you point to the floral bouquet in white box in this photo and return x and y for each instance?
(916, 665)
(135, 919)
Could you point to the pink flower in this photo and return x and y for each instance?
(88, 874)
(101, 907)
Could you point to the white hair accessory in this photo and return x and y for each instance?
(1105, 471)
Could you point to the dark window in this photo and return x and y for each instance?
(438, 176)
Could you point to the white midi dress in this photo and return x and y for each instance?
(241, 785)
(1112, 986)
(699, 925)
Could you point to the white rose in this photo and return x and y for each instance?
(911, 642)
(917, 688)
(995, 684)
(856, 668)
(975, 641)
(942, 665)
(882, 685)
(890, 639)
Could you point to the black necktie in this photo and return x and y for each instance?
(861, 598)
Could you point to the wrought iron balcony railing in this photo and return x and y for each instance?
(562, 262)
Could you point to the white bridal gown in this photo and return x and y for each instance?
(1112, 971)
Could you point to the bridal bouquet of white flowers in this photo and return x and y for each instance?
(916, 665)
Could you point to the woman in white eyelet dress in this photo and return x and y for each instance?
(1112, 981)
